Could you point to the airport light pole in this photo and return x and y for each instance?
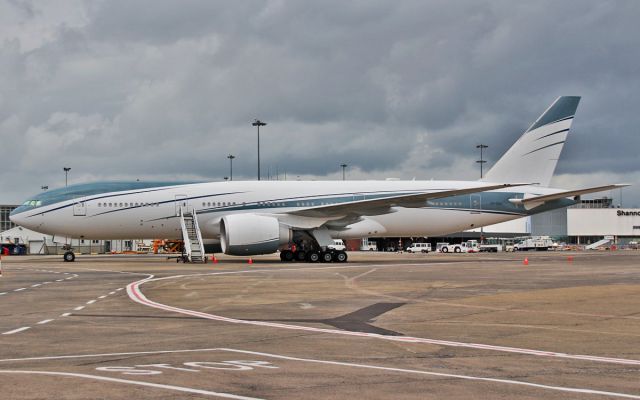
(344, 166)
(481, 161)
(66, 175)
(231, 157)
(257, 123)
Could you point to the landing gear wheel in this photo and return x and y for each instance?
(313, 257)
(287, 255)
(326, 256)
(340, 256)
(69, 256)
(300, 255)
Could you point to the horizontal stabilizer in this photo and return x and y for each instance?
(531, 202)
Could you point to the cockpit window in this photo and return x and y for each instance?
(32, 203)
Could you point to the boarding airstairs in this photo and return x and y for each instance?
(193, 244)
(597, 244)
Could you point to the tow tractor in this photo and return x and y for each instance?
(470, 246)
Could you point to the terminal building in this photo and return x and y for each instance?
(5, 222)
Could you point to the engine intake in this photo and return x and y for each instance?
(251, 234)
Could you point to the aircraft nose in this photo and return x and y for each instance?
(17, 218)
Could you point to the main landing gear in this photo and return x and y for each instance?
(313, 256)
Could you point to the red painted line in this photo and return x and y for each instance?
(134, 292)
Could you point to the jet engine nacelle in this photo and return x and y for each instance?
(251, 234)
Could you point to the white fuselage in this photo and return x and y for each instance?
(153, 212)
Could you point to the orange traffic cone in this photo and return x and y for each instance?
(214, 259)
(525, 262)
(570, 258)
(250, 261)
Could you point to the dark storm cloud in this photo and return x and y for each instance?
(166, 89)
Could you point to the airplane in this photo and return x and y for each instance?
(302, 218)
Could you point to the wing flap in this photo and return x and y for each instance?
(384, 205)
(538, 200)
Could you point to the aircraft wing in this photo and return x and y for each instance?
(383, 205)
(532, 202)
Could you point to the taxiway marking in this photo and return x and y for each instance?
(441, 374)
(46, 321)
(338, 363)
(135, 294)
(24, 328)
(139, 383)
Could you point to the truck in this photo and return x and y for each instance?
(368, 245)
(338, 244)
(470, 246)
(537, 243)
(490, 248)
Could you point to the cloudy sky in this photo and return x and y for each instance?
(165, 90)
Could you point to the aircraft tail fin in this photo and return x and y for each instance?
(533, 158)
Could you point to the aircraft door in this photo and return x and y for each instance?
(80, 208)
(181, 201)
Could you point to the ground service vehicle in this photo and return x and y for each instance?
(419, 248)
(538, 243)
(470, 246)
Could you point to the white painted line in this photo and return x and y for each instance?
(132, 353)
(421, 372)
(78, 308)
(46, 283)
(3, 293)
(71, 277)
(103, 297)
(134, 292)
(65, 314)
(119, 289)
(24, 328)
(112, 292)
(91, 301)
(36, 285)
(45, 321)
(59, 280)
(21, 289)
(139, 383)
(327, 362)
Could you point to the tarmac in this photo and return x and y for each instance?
(383, 325)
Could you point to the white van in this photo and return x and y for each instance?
(338, 244)
(419, 248)
(367, 245)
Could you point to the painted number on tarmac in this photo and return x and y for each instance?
(195, 366)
